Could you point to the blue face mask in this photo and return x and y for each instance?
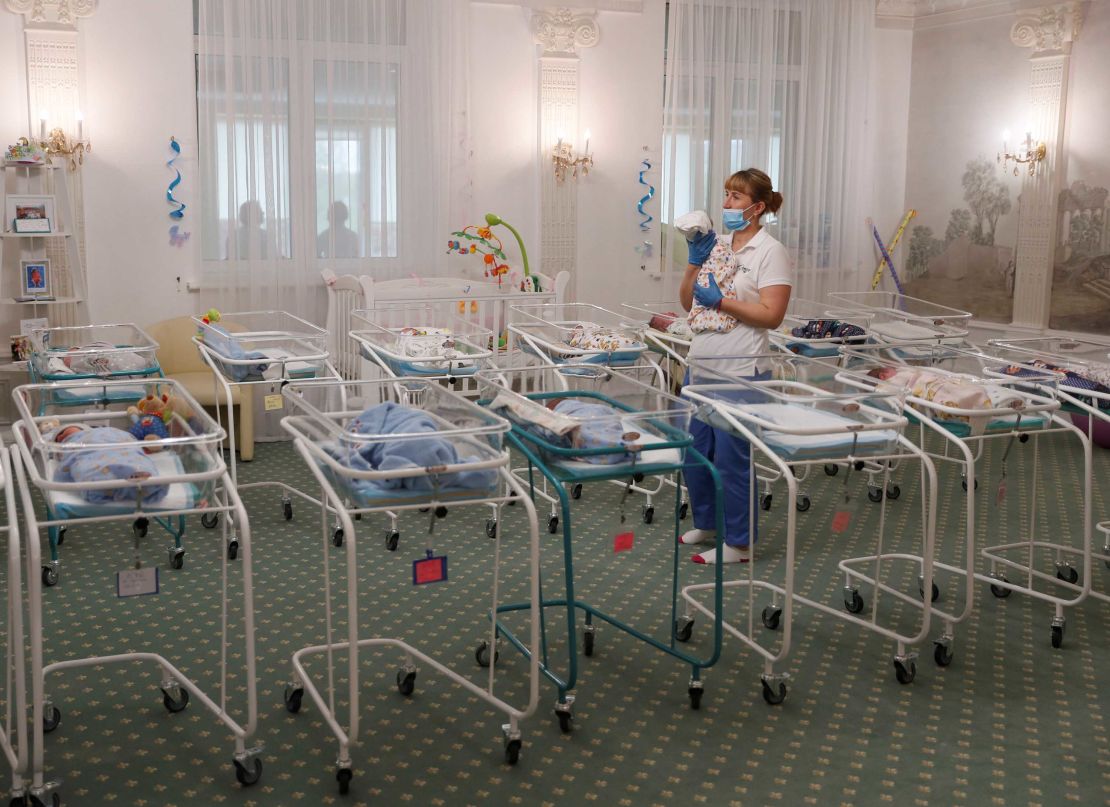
(734, 220)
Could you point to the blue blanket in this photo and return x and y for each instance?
(227, 346)
(599, 428)
(101, 464)
(418, 452)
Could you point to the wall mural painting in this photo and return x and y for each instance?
(966, 265)
(1081, 275)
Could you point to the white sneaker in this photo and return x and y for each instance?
(729, 554)
(696, 536)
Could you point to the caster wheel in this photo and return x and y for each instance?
(853, 603)
(893, 492)
(232, 550)
(250, 773)
(209, 520)
(491, 528)
(963, 484)
(140, 527)
(832, 470)
(649, 514)
(441, 512)
(637, 477)
(576, 491)
(942, 655)
(406, 682)
(287, 510)
(61, 536)
(859, 465)
(35, 801)
(765, 501)
(774, 696)
(481, 655)
(1069, 574)
(999, 591)
(177, 559)
(683, 511)
(875, 494)
(343, 776)
(512, 752)
(905, 671)
(695, 697)
(174, 705)
(1057, 636)
(51, 719)
(337, 537)
(1023, 438)
(771, 616)
(683, 628)
(49, 576)
(392, 539)
(802, 504)
(553, 525)
(588, 643)
(565, 721)
(936, 592)
(293, 698)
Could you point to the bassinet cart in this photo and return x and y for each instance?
(642, 432)
(960, 397)
(792, 422)
(368, 444)
(263, 350)
(189, 476)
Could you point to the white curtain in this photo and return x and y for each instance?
(784, 86)
(333, 134)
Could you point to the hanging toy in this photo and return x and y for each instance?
(482, 242)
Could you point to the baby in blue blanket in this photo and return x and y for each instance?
(418, 452)
(122, 457)
(223, 344)
(596, 425)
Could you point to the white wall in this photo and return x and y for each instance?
(140, 90)
(890, 129)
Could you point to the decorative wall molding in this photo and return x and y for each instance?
(55, 12)
(558, 201)
(563, 31)
(1052, 28)
(925, 14)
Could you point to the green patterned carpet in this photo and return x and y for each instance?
(1011, 721)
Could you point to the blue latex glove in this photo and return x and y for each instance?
(708, 296)
(700, 247)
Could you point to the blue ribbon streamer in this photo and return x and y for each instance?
(645, 225)
(179, 213)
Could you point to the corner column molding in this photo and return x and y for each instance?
(1049, 31)
(560, 33)
(59, 12)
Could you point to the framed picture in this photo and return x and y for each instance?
(30, 213)
(35, 276)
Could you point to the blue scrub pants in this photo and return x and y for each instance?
(731, 457)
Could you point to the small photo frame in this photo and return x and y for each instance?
(21, 348)
(30, 214)
(35, 278)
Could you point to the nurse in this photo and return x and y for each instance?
(736, 288)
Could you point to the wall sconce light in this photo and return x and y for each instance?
(1033, 154)
(563, 159)
(58, 143)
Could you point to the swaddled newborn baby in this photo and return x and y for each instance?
(120, 457)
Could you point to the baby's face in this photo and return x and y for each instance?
(64, 434)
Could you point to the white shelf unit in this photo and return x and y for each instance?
(66, 276)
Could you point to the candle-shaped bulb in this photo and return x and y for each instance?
(559, 136)
(587, 151)
(80, 125)
(42, 124)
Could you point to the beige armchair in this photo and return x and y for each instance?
(181, 361)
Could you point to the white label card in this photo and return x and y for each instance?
(133, 582)
(273, 402)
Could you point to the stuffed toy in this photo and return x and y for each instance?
(149, 416)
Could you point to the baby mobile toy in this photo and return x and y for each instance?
(482, 242)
